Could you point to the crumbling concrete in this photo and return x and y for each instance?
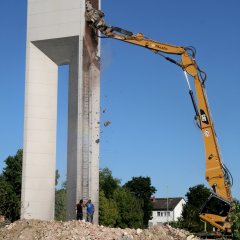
(78, 230)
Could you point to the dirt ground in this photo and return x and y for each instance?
(78, 230)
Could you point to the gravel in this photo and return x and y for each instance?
(79, 230)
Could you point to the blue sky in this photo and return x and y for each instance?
(152, 131)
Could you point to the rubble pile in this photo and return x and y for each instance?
(78, 230)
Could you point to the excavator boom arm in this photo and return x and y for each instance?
(216, 173)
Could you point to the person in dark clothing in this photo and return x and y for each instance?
(80, 207)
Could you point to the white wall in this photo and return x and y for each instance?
(165, 216)
(39, 151)
(178, 210)
(49, 19)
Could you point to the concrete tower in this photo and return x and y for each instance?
(56, 35)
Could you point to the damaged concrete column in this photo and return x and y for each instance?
(57, 35)
(84, 114)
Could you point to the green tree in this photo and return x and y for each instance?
(107, 183)
(129, 209)
(235, 219)
(143, 190)
(195, 198)
(108, 211)
(12, 173)
(60, 203)
(9, 203)
(10, 187)
(57, 176)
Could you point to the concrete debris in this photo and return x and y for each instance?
(4, 222)
(107, 123)
(190, 237)
(79, 230)
(2, 218)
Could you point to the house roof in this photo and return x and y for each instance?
(164, 204)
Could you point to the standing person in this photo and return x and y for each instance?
(80, 207)
(90, 211)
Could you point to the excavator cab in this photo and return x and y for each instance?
(215, 211)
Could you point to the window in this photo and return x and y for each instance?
(217, 206)
(158, 214)
(161, 214)
(167, 214)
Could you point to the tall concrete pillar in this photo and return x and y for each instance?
(57, 35)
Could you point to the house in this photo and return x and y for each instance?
(166, 210)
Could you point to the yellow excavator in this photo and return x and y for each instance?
(216, 209)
